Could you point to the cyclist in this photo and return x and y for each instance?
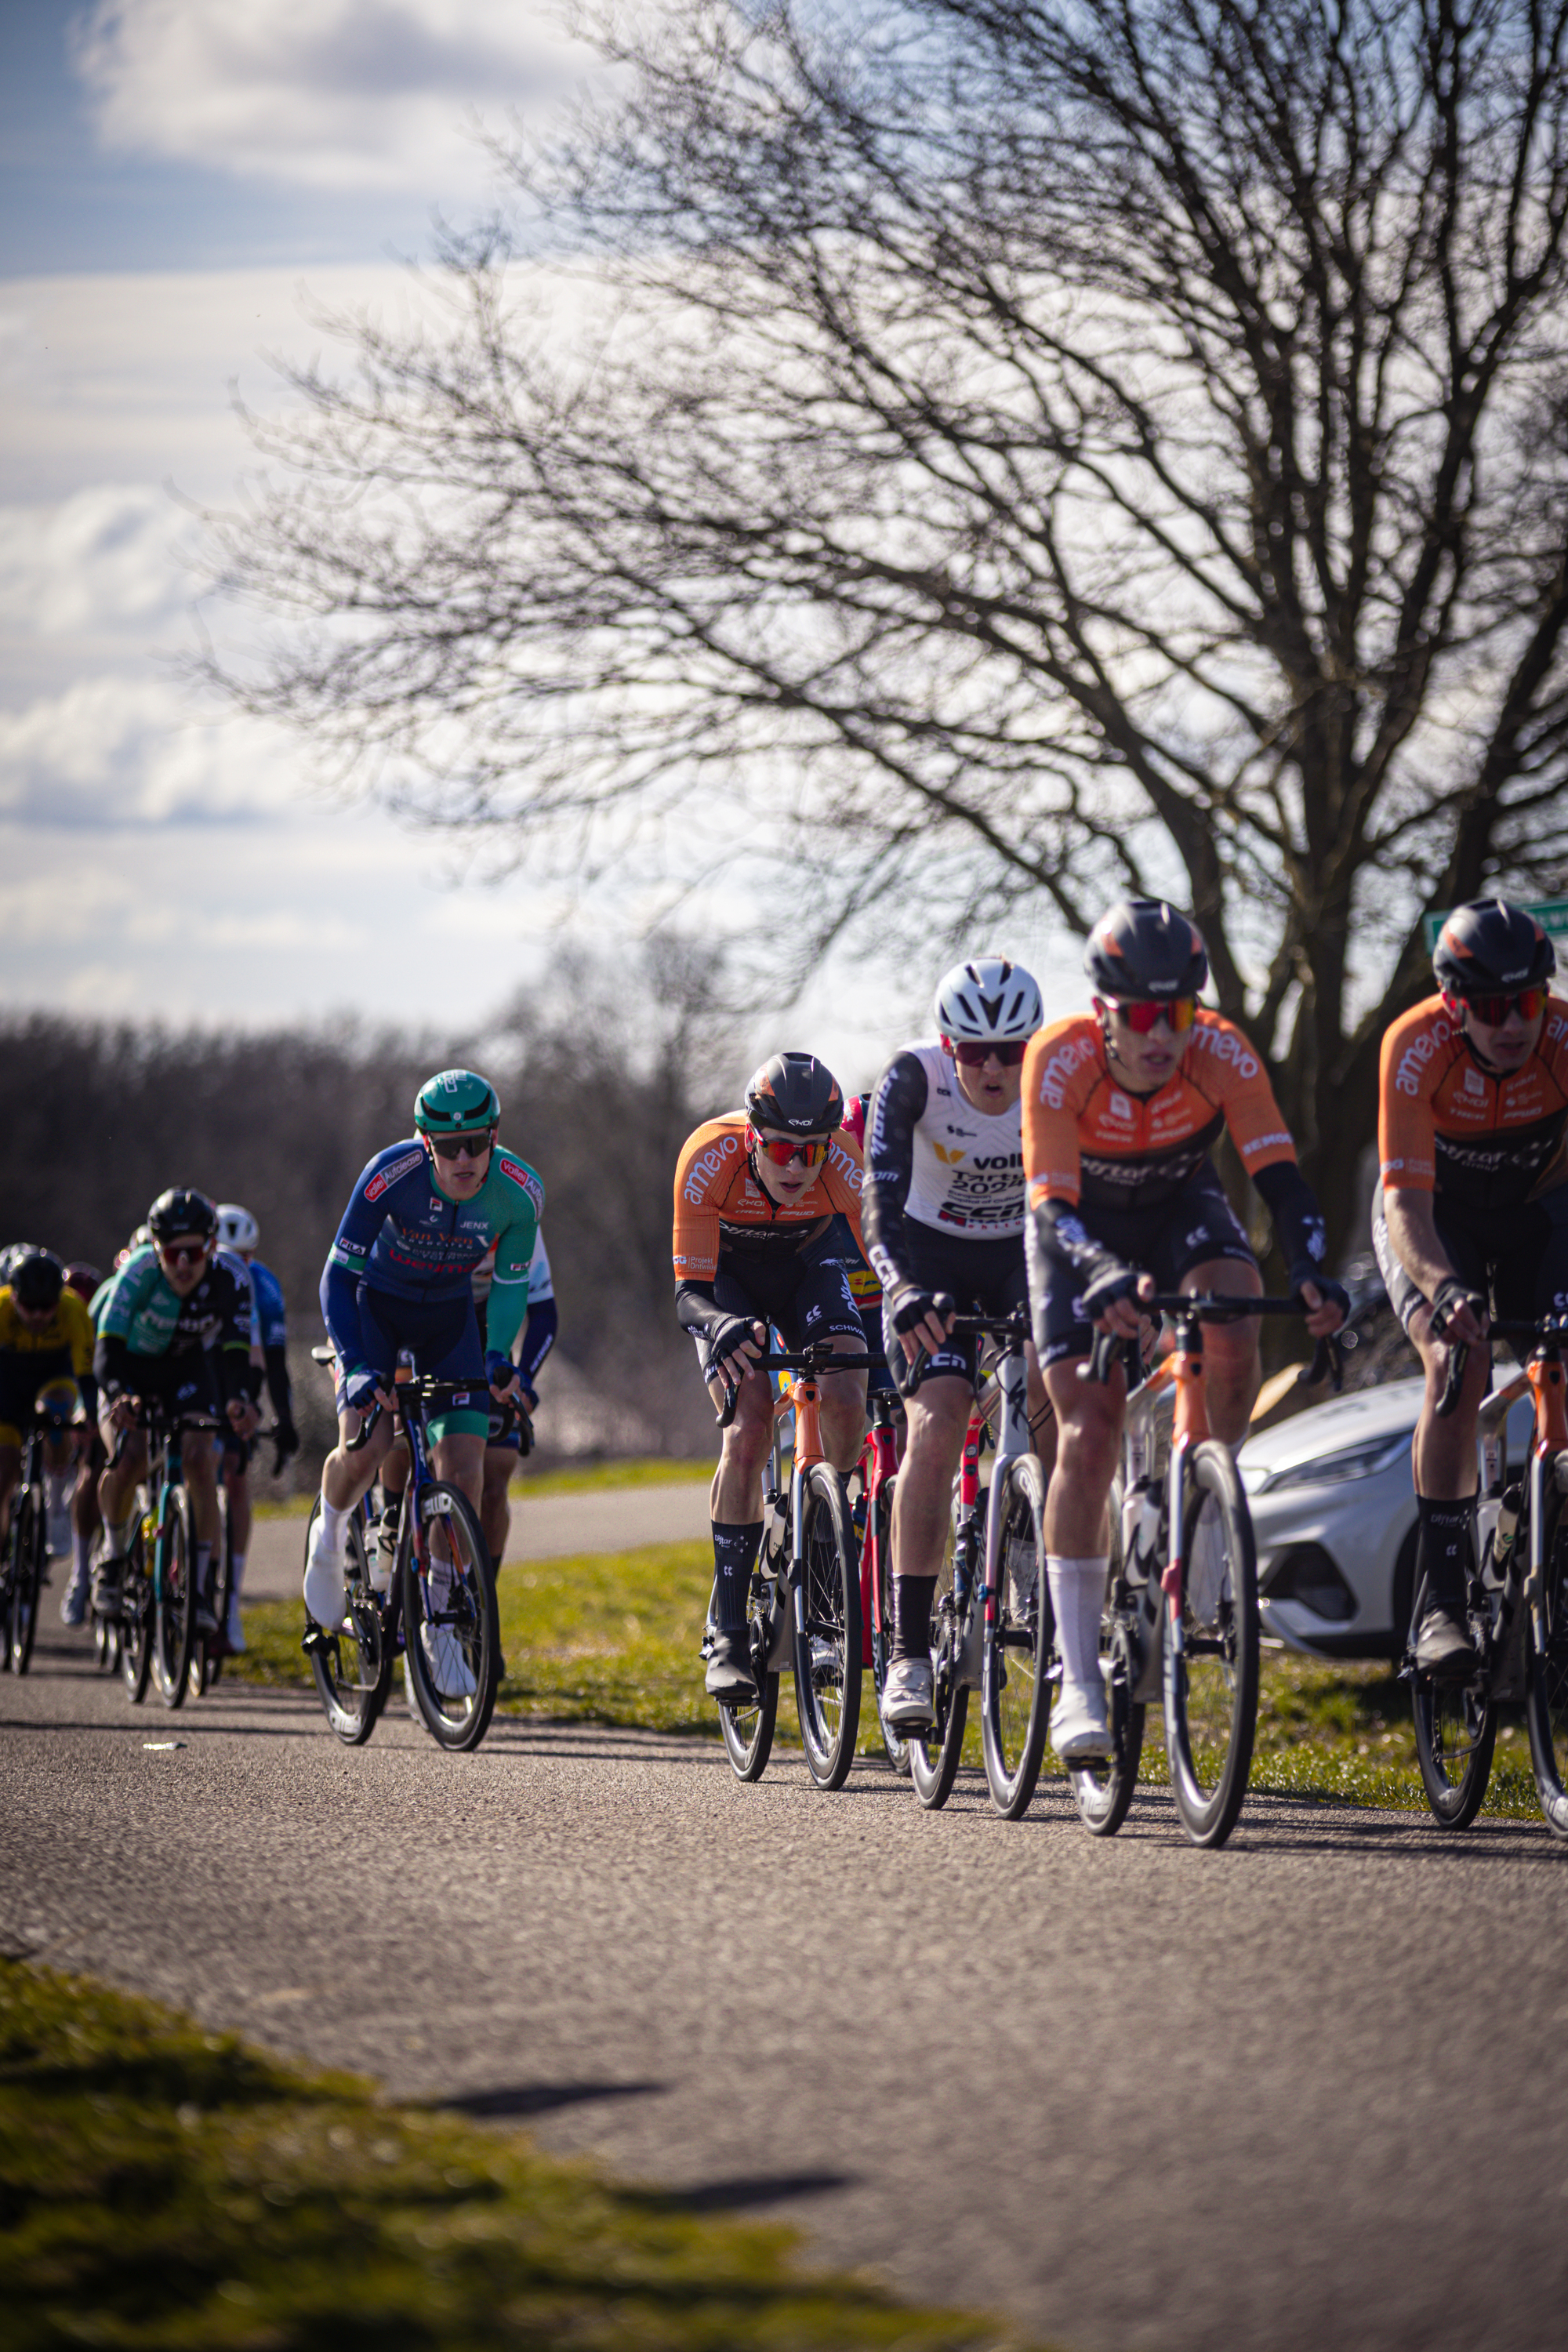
(175, 1328)
(756, 1193)
(944, 1216)
(1473, 1197)
(399, 1275)
(238, 1231)
(45, 1335)
(1120, 1108)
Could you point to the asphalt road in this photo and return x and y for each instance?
(1308, 2093)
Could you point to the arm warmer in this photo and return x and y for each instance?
(278, 1387)
(1298, 1220)
(538, 1338)
(108, 1361)
(695, 1309)
(898, 1106)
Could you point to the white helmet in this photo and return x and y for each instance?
(989, 1002)
(237, 1228)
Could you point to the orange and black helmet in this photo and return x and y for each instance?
(794, 1093)
(1491, 949)
(1144, 950)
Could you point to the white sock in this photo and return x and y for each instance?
(117, 1536)
(1078, 1598)
(239, 1572)
(334, 1527)
(81, 1556)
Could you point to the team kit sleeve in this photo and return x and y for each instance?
(699, 1176)
(1268, 1152)
(1406, 1127)
(844, 1182)
(1060, 1069)
(368, 1209)
(522, 1204)
(538, 1335)
(898, 1106)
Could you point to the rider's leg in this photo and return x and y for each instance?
(10, 1478)
(842, 1398)
(86, 1520)
(737, 1500)
(345, 1477)
(495, 1508)
(200, 1456)
(1233, 1367)
(117, 1487)
(458, 1457)
(937, 1419)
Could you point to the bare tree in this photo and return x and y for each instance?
(967, 451)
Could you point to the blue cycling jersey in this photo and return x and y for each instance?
(271, 1322)
(403, 1236)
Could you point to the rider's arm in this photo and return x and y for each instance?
(1413, 1236)
(1298, 1220)
(110, 1358)
(367, 1211)
(898, 1106)
(538, 1339)
(508, 1302)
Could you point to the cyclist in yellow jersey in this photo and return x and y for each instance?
(45, 1333)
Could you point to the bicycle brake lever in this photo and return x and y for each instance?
(1101, 1356)
(1449, 1399)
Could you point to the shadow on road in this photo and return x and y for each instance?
(539, 2098)
(736, 2196)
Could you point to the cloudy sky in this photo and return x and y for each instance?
(175, 176)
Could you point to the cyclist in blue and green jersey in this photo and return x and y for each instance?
(399, 1275)
(174, 1328)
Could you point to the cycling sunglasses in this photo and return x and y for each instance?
(475, 1141)
(1145, 1014)
(782, 1148)
(182, 1253)
(1493, 1010)
(976, 1053)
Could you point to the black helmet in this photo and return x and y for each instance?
(1491, 949)
(796, 1094)
(36, 1281)
(181, 1210)
(84, 1279)
(1144, 949)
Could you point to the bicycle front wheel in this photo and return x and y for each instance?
(1546, 1688)
(828, 1630)
(879, 1587)
(135, 1619)
(1015, 1691)
(352, 1662)
(934, 1760)
(748, 1730)
(1103, 1789)
(1211, 1672)
(451, 1626)
(175, 1600)
(28, 1535)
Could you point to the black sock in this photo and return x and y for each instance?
(735, 1548)
(911, 1616)
(1445, 1551)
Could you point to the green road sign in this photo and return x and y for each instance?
(1552, 914)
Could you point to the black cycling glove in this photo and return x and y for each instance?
(1112, 1282)
(1447, 1299)
(286, 1442)
(911, 1305)
(1332, 1293)
(725, 1340)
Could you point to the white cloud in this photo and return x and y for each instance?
(111, 558)
(114, 752)
(334, 94)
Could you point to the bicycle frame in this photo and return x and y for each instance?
(1542, 1377)
(878, 1464)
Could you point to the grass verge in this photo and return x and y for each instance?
(160, 2186)
(613, 1638)
(582, 1478)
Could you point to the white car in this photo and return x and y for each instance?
(1334, 1511)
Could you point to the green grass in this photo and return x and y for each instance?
(582, 1478)
(163, 2186)
(613, 1638)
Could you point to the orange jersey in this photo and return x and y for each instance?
(1445, 1125)
(1089, 1139)
(720, 1205)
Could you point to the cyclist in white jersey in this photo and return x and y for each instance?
(943, 1214)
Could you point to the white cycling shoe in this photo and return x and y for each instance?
(1079, 1732)
(324, 1595)
(449, 1669)
(907, 1695)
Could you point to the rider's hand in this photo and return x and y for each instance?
(1459, 1315)
(124, 1412)
(1111, 1300)
(1328, 1302)
(502, 1376)
(286, 1441)
(243, 1416)
(361, 1391)
(918, 1320)
(733, 1346)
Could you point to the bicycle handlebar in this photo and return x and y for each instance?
(1548, 1328)
(423, 1389)
(1326, 1358)
(820, 1356)
(996, 1326)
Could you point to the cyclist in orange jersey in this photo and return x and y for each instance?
(1472, 1202)
(756, 1193)
(1122, 1107)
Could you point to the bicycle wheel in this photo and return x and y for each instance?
(1103, 1789)
(933, 1760)
(1211, 1674)
(173, 1628)
(207, 1645)
(135, 1619)
(352, 1662)
(1546, 1669)
(28, 1533)
(748, 1730)
(451, 1628)
(828, 1630)
(1015, 1687)
(880, 1589)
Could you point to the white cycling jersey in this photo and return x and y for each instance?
(964, 1169)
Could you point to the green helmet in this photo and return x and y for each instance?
(454, 1099)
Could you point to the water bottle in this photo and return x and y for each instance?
(1140, 1529)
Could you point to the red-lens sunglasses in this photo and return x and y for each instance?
(782, 1148)
(1493, 1010)
(1145, 1015)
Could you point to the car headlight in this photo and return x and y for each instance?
(1333, 1469)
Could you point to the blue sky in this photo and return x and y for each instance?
(176, 177)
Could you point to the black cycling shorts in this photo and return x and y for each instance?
(1517, 1258)
(186, 1383)
(805, 1295)
(981, 1278)
(23, 1373)
(1196, 1224)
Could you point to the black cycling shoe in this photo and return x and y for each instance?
(1443, 1647)
(729, 1679)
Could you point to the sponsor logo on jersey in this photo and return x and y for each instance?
(707, 1168)
(948, 1159)
(1428, 1040)
(1119, 1106)
(1474, 1082)
(1227, 1044)
(523, 1177)
(848, 1169)
(1060, 1066)
(389, 1176)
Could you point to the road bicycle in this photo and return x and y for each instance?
(991, 1628)
(1516, 1599)
(210, 1646)
(873, 1515)
(803, 1607)
(157, 1607)
(431, 1593)
(1180, 1630)
(24, 1566)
